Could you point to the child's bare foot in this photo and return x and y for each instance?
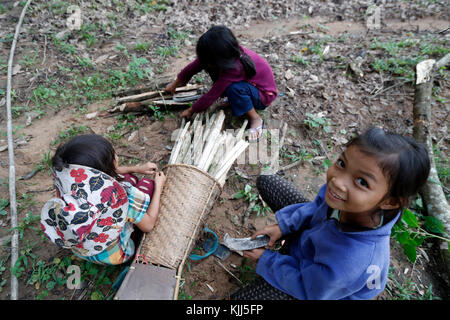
(256, 129)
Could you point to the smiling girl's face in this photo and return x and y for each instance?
(356, 186)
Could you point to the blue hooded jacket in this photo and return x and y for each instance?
(326, 262)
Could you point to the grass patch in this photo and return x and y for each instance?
(400, 57)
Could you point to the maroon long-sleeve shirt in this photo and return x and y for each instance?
(263, 80)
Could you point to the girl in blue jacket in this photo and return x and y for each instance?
(339, 243)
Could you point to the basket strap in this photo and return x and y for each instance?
(193, 256)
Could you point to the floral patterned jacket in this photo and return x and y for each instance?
(88, 213)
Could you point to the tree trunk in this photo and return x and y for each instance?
(432, 194)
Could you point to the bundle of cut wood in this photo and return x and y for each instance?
(204, 145)
(139, 100)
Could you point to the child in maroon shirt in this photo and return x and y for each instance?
(239, 74)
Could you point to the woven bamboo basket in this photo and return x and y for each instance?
(188, 196)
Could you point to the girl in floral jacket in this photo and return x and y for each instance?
(98, 202)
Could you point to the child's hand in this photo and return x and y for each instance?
(148, 168)
(187, 113)
(160, 179)
(273, 231)
(172, 86)
(254, 254)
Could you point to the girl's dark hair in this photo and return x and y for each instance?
(90, 150)
(217, 49)
(404, 161)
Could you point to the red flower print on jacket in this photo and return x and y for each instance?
(105, 222)
(115, 195)
(78, 174)
(70, 207)
(102, 237)
(60, 234)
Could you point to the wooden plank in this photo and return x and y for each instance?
(147, 282)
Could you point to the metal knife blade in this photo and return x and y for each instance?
(242, 244)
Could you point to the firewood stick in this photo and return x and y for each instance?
(230, 158)
(188, 157)
(184, 148)
(216, 127)
(217, 158)
(180, 131)
(175, 152)
(228, 143)
(222, 173)
(198, 144)
(208, 124)
(216, 146)
(241, 131)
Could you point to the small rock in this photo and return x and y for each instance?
(91, 115)
(288, 75)
(289, 45)
(291, 92)
(132, 135)
(16, 69)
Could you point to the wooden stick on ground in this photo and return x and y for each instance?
(12, 166)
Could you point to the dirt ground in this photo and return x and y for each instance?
(309, 45)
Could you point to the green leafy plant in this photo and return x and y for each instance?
(412, 231)
(247, 273)
(26, 223)
(121, 48)
(261, 209)
(317, 122)
(142, 46)
(65, 135)
(158, 113)
(406, 289)
(167, 51)
(100, 278)
(3, 204)
(177, 35)
(300, 60)
(2, 269)
(49, 275)
(247, 194)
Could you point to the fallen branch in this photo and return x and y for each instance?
(291, 165)
(12, 166)
(231, 273)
